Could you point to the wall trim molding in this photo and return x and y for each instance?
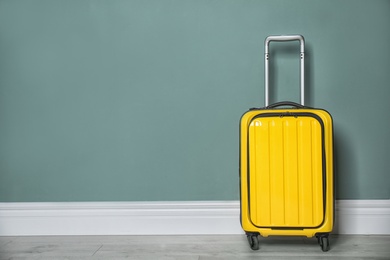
(166, 218)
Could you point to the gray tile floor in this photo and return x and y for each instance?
(227, 247)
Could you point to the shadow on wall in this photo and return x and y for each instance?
(309, 91)
(345, 165)
(345, 179)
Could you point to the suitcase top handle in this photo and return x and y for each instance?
(284, 38)
(286, 103)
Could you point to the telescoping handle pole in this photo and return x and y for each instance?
(284, 38)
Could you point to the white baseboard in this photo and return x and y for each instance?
(367, 217)
(119, 218)
(166, 218)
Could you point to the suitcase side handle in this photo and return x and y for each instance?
(286, 103)
(284, 38)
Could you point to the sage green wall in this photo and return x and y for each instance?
(134, 100)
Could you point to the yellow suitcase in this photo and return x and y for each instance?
(286, 167)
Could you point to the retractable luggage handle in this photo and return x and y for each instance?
(283, 38)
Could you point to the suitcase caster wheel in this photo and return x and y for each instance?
(324, 243)
(253, 242)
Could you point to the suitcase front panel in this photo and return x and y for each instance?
(286, 171)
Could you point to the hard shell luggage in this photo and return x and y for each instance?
(286, 166)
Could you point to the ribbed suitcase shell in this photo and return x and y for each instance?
(286, 171)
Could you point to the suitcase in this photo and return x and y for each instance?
(286, 166)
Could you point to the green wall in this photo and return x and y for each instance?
(134, 100)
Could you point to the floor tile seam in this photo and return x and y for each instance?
(6, 244)
(97, 250)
